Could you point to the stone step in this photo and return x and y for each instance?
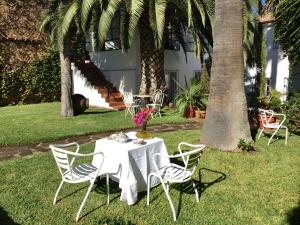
(96, 78)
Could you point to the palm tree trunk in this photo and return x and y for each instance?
(227, 120)
(152, 59)
(66, 81)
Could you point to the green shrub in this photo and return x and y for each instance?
(39, 82)
(12, 88)
(275, 102)
(292, 111)
(246, 146)
(272, 101)
(42, 80)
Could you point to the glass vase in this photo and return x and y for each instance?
(144, 134)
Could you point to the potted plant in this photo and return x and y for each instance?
(271, 102)
(190, 98)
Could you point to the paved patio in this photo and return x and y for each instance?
(10, 152)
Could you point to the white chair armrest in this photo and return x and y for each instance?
(67, 145)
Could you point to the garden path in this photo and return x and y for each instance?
(9, 152)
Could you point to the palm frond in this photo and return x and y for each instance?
(136, 10)
(87, 6)
(157, 10)
(106, 19)
(68, 18)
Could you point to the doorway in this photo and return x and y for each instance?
(170, 76)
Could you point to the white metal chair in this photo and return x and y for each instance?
(157, 104)
(174, 173)
(131, 106)
(76, 174)
(266, 117)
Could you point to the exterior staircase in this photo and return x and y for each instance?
(106, 89)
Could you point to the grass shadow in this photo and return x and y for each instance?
(293, 216)
(69, 194)
(114, 221)
(187, 187)
(5, 219)
(276, 138)
(100, 188)
(96, 112)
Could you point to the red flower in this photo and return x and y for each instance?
(142, 116)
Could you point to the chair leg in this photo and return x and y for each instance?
(260, 133)
(273, 135)
(148, 189)
(286, 135)
(170, 201)
(159, 112)
(196, 191)
(84, 200)
(107, 188)
(56, 194)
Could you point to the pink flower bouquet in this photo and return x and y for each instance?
(141, 117)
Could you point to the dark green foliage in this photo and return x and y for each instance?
(40, 82)
(287, 29)
(272, 101)
(246, 146)
(191, 96)
(12, 87)
(292, 111)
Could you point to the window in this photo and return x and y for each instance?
(172, 43)
(113, 35)
(189, 43)
(275, 45)
(197, 74)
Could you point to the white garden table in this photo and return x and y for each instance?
(129, 163)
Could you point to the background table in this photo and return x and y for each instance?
(130, 164)
(145, 99)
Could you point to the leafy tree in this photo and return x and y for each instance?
(60, 23)
(151, 18)
(286, 27)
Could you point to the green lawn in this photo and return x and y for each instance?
(27, 124)
(236, 188)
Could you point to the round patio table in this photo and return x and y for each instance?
(145, 99)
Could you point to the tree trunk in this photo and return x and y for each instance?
(152, 59)
(226, 119)
(66, 81)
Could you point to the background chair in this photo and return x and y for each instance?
(266, 117)
(157, 104)
(174, 173)
(131, 106)
(76, 174)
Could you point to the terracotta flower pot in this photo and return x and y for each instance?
(202, 114)
(190, 112)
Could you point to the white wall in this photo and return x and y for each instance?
(83, 87)
(277, 68)
(176, 61)
(117, 65)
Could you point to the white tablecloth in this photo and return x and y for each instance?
(130, 164)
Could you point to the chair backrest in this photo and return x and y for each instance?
(128, 99)
(158, 97)
(62, 159)
(265, 116)
(190, 155)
